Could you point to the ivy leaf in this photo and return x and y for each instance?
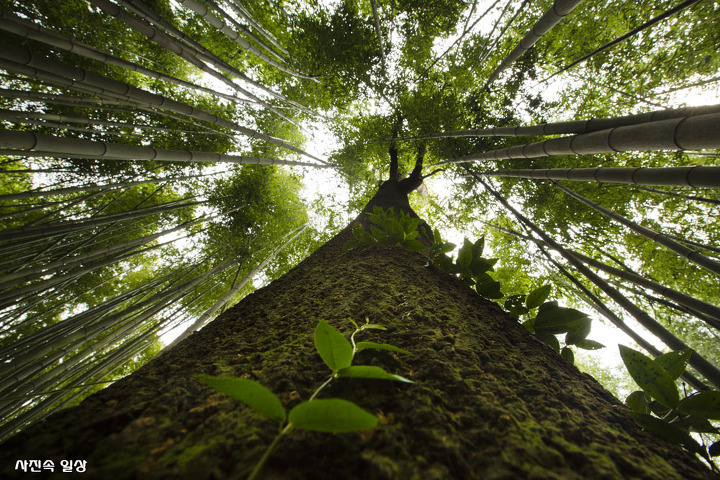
(638, 401)
(675, 362)
(414, 245)
(702, 404)
(547, 305)
(660, 428)
(251, 393)
(555, 319)
(487, 286)
(332, 346)
(589, 345)
(537, 296)
(568, 355)
(331, 415)
(369, 371)
(350, 244)
(529, 325)
(480, 265)
(380, 346)
(465, 254)
(360, 234)
(549, 339)
(477, 247)
(651, 377)
(579, 332)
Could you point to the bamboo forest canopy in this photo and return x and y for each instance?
(155, 158)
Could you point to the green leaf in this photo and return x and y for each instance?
(487, 286)
(360, 234)
(465, 254)
(373, 326)
(658, 408)
(660, 428)
(379, 346)
(377, 233)
(638, 402)
(555, 319)
(549, 339)
(694, 424)
(548, 305)
(249, 392)
(350, 244)
(579, 332)
(529, 325)
(652, 378)
(589, 345)
(568, 355)
(369, 371)
(332, 346)
(702, 404)
(414, 245)
(477, 247)
(331, 415)
(675, 362)
(480, 265)
(537, 296)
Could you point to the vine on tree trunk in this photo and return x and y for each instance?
(329, 415)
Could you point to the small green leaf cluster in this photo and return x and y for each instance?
(544, 319)
(658, 407)
(469, 265)
(331, 415)
(552, 320)
(387, 229)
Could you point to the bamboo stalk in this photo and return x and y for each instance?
(597, 304)
(550, 18)
(683, 133)
(695, 176)
(27, 29)
(41, 66)
(695, 257)
(705, 368)
(31, 143)
(575, 126)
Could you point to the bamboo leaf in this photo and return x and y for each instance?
(702, 404)
(251, 393)
(369, 371)
(332, 346)
(380, 346)
(331, 415)
(652, 378)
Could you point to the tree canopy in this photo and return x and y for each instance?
(153, 157)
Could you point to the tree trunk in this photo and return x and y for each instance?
(489, 400)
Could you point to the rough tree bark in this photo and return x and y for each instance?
(490, 401)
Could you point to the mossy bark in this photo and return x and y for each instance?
(490, 401)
